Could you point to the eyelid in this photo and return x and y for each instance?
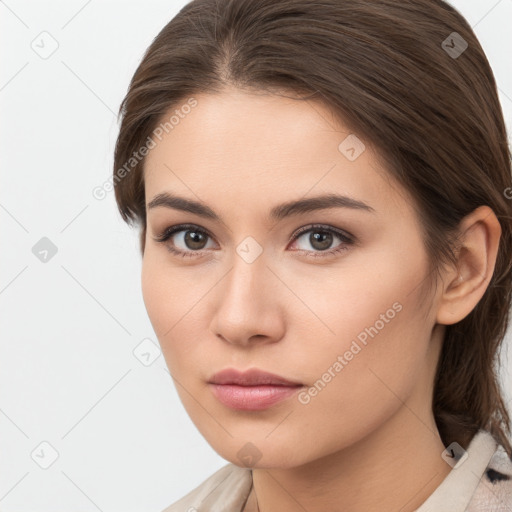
(168, 231)
(325, 227)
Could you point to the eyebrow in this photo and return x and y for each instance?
(279, 212)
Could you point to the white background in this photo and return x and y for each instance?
(69, 326)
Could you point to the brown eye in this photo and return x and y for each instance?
(184, 240)
(320, 239)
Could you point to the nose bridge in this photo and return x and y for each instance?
(247, 300)
(247, 281)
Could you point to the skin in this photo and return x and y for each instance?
(368, 441)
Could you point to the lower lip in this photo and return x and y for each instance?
(251, 398)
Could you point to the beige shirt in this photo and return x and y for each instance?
(480, 482)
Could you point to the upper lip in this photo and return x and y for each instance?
(251, 377)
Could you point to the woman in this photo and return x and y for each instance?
(324, 197)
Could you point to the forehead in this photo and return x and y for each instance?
(258, 149)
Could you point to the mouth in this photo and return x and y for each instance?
(252, 390)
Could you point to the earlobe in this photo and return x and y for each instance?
(466, 284)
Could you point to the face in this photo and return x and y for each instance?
(330, 298)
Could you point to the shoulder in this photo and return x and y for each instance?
(226, 490)
(494, 492)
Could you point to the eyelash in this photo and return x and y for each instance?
(345, 238)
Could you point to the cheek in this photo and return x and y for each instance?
(374, 327)
(363, 378)
(163, 295)
(155, 292)
(171, 302)
(368, 296)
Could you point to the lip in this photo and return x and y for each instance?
(252, 390)
(251, 377)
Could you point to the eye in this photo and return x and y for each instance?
(191, 241)
(321, 239)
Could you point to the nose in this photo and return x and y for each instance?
(248, 308)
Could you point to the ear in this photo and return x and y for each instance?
(465, 285)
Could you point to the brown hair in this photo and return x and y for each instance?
(388, 69)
